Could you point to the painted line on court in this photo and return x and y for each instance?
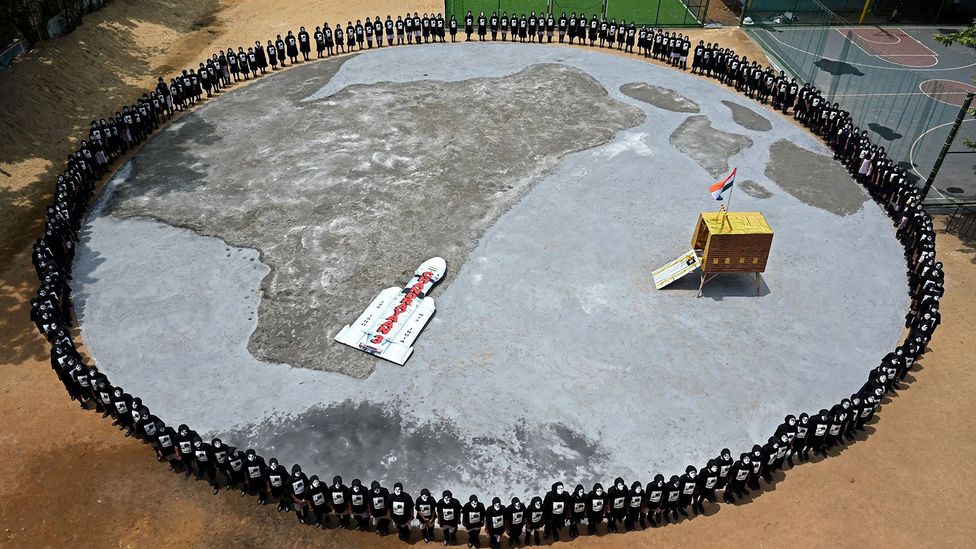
(856, 33)
(882, 57)
(934, 98)
(784, 59)
(821, 56)
(911, 151)
(894, 94)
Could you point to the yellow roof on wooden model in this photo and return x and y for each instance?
(737, 223)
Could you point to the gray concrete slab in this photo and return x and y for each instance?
(710, 147)
(551, 355)
(662, 98)
(748, 118)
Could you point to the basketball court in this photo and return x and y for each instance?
(898, 82)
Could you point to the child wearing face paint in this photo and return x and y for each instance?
(655, 498)
(596, 508)
(298, 492)
(400, 505)
(221, 455)
(818, 432)
(577, 511)
(724, 461)
(838, 419)
(122, 409)
(867, 410)
(556, 507)
(800, 439)
(378, 510)
(134, 416)
(277, 482)
(495, 523)
(254, 471)
(787, 429)
(339, 501)
(359, 504)
(166, 445)
(146, 426)
(672, 492)
(448, 515)
(689, 488)
(535, 520)
(318, 500)
(857, 406)
(203, 455)
(617, 509)
(184, 443)
(738, 478)
(515, 517)
(707, 483)
(635, 507)
(425, 508)
(757, 466)
(769, 451)
(473, 519)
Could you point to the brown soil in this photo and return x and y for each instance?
(68, 477)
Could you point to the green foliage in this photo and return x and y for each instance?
(965, 37)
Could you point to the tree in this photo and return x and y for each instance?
(965, 37)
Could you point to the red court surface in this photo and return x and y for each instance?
(892, 45)
(951, 92)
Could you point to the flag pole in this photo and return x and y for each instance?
(726, 207)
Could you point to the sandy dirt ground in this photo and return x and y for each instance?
(68, 477)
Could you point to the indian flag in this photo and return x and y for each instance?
(722, 186)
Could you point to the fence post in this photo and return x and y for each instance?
(963, 111)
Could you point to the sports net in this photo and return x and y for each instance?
(875, 73)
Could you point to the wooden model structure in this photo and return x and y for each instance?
(732, 242)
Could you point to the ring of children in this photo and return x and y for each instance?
(224, 258)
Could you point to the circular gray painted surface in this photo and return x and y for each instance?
(224, 258)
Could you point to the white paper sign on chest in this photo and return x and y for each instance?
(394, 319)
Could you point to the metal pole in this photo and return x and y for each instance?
(742, 16)
(864, 12)
(948, 143)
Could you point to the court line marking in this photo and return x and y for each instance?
(821, 56)
(920, 84)
(911, 151)
(902, 27)
(881, 57)
(920, 43)
(897, 39)
(899, 93)
(785, 60)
